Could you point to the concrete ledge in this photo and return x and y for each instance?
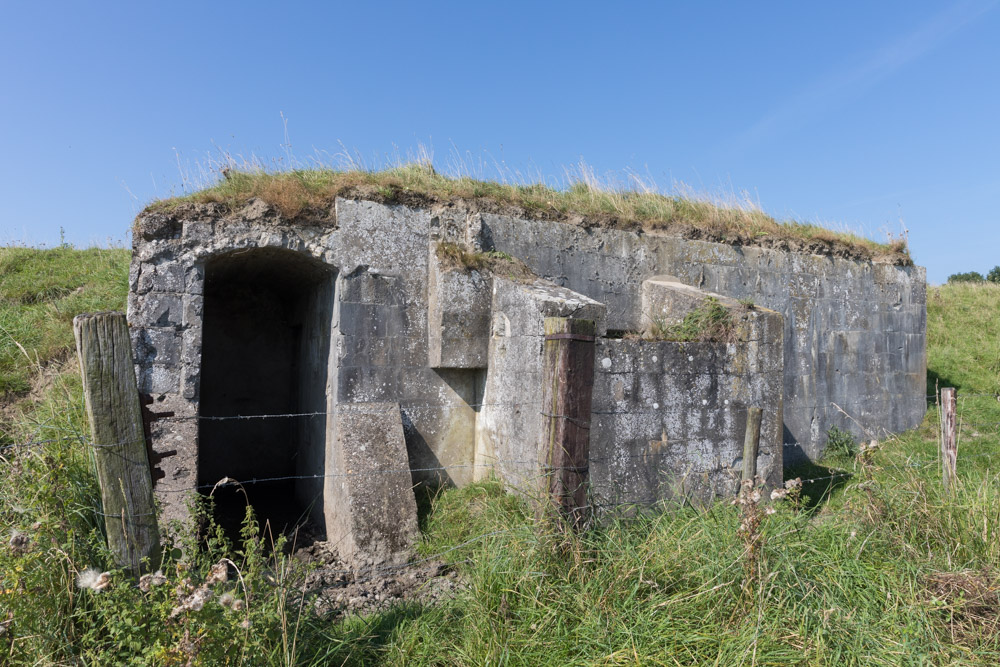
(665, 301)
(370, 509)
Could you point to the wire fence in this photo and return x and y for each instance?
(620, 458)
(598, 499)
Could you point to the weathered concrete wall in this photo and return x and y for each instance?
(458, 304)
(314, 397)
(669, 418)
(664, 301)
(377, 348)
(166, 315)
(854, 331)
(383, 253)
(386, 324)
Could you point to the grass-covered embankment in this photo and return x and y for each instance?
(40, 293)
(878, 567)
(310, 193)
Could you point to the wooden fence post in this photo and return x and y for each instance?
(949, 438)
(112, 401)
(751, 443)
(568, 380)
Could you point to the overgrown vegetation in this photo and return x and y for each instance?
(499, 263)
(839, 441)
(877, 566)
(309, 192)
(710, 321)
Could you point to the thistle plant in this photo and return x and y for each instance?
(792, 492)
(750, 531)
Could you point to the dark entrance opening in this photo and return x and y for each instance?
(265, 359)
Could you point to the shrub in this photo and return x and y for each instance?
(969, 277)
(994, 275)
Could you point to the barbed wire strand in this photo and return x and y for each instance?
(39, 443)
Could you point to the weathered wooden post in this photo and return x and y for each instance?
(751, 443)
(949, 438)
(112, 401)
(568, 380)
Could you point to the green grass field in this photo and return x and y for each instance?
(878, 566)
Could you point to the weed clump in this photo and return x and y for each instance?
(841, 442)
(455, 256)
(710, 321)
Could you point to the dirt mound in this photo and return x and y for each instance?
(337, 590)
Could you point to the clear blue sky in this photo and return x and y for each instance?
(859, 115)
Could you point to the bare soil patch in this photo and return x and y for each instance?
(336, 590)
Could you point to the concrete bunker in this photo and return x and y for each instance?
(427, 371)
(265, 351)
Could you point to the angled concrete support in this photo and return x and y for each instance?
(371, 514)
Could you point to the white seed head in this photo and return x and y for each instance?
(93, 579)
(219, 574)
(194, 602)
(199, 598)
(147, 581)
(778, 494)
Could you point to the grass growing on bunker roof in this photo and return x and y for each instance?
(306, 192)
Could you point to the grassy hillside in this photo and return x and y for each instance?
(878, 566)
(40, 293)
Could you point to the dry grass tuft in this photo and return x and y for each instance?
(971, 603)
(455, 256)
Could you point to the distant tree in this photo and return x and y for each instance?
(994, 275)
(970, 277)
